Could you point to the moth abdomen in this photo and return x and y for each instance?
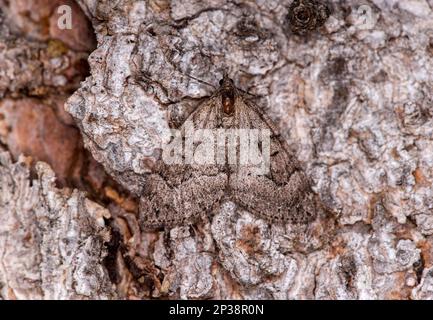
(228, 101)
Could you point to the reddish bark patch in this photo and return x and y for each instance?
(36, 131)
(250, 240)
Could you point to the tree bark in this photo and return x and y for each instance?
(353, 99)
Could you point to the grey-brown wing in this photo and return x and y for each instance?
(283, 194)
(178, 194)
(163, 204)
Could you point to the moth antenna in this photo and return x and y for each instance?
(202, 81)
(251, 94)
(225, 73)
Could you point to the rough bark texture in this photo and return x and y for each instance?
(51, 240)
(353, 99)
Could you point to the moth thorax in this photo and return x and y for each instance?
(228, 101)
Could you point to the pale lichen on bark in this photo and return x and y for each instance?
(354, 103)
(51, 240)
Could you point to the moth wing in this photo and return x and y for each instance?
(168, 205)
(180, 193)
(283, 193)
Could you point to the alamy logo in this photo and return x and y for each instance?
(65, 19)
(365, 19)
(238, 147)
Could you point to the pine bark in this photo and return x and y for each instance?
(352, 98)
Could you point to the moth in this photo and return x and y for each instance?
(181, 192)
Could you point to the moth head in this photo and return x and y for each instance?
(227, 92)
